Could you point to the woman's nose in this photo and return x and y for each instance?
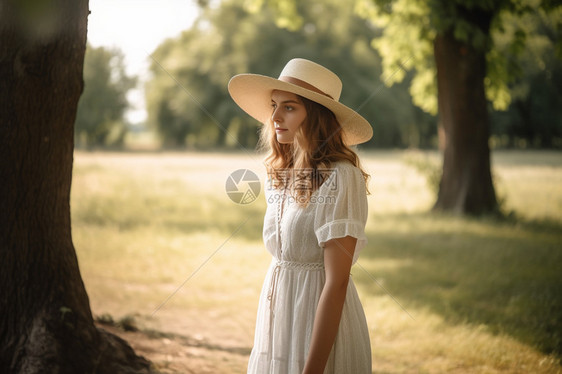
(276, 115)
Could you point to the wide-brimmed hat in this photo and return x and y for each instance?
(252, 92)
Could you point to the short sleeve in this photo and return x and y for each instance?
(341, 207)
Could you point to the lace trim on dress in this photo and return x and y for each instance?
(301, 265)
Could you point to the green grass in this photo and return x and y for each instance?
(441, 293)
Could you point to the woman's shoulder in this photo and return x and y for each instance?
(341, 174)
(346, 169)
(343, 164)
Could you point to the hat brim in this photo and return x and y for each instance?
(252, 93)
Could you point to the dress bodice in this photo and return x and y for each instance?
(338, 208)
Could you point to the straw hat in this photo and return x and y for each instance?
(252, 93)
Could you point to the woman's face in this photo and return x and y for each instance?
(288, 113)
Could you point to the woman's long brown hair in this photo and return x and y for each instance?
(300, 166)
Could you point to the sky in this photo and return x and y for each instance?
(137, 27)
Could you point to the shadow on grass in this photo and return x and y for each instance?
(504, 275)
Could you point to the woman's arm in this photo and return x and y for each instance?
(338, 256)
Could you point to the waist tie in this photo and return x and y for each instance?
(291, 265)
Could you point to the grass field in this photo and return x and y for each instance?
(159, 240)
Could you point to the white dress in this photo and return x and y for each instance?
(295, 278)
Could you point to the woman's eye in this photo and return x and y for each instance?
(288, 108)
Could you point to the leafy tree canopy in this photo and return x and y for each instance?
(188, 100)
(521, 38)
(501, 28)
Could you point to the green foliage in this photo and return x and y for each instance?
(405, 43)
(99, 120)
(187, 99)
(287, 15)
(534, 118)
(188, 103)
(410, 27)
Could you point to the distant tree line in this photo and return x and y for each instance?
(100, 118)
(197, 110)
(188, 104)
(534, 116)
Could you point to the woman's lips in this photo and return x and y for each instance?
(280, 130)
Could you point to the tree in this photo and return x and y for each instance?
(99, 121)
(450, 45)
(46, 325)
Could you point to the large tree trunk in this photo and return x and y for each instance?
(46, 324)
(466, 185)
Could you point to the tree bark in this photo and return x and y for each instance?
(466, 185)
(46, 325)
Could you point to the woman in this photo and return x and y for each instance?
(310, 319)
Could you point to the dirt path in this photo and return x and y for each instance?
(174, 353)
